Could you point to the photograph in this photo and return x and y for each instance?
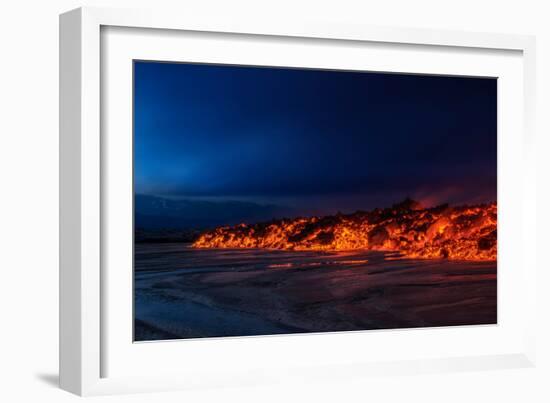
(284, 200)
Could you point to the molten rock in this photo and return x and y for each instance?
(461, 233)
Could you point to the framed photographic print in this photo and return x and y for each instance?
(261, 198)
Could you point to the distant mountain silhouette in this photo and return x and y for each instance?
(153, 212)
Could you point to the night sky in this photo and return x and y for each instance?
(316, 141)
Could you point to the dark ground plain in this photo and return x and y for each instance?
(182, 292)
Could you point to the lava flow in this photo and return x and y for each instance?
(458, 233)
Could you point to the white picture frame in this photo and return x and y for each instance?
(88, 332)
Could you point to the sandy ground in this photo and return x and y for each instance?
(181, 292)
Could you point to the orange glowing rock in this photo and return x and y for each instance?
(459, 233)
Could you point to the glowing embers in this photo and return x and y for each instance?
(459, 233)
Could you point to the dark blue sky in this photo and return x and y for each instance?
(319, 141)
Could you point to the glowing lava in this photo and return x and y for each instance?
(460, 233)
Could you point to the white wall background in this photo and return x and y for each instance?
(29, 200)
